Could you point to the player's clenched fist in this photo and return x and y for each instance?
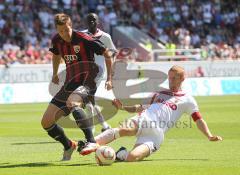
(108, 85)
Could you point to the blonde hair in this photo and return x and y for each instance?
(178, 70)
(62, 19)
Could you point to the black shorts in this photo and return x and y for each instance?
(61, 97)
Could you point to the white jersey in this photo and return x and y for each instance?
(106, 39)
(161, 114)
(167, 107)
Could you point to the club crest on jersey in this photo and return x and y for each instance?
(76, 48)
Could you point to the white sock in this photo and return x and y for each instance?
(100, 117)
(105, 125)
(122, 155)
(107, 136)
(93, 130)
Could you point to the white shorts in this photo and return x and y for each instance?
(148, 132)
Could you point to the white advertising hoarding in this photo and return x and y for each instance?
(43, 73)
(38, 92)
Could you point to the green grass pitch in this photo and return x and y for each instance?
(25, 147)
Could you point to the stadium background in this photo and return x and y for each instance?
(202, 36)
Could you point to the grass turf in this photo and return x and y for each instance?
(25, 147)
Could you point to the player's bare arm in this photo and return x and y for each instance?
(56, 59)
(132, 109)
(203, 127)
(108, 61)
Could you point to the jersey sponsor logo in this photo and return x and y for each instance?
(70, 58)
(172, 105)
(76, 48)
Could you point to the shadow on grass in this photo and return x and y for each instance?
(176, 160)
(39, 164)
(44, 164)
(33, 143)
(82, 164)
(155, 160)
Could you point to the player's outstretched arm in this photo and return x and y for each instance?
(132, 109)
(56, 59)
(202, 126)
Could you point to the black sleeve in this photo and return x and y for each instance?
(54, 48)
(97, 46)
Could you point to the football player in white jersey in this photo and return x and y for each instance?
(153, 120)
(92, 22)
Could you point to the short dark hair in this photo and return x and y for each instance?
(62, 19)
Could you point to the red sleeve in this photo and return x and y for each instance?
(54, 43)
(196, 116)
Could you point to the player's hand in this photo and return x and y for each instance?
(117, 103)
(215, 138)
(108, 85)
(55, 79)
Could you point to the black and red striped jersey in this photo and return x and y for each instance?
(78, 55)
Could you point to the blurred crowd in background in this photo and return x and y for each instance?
(26, 26)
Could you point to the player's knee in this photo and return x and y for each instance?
(74, 100)
(71, 104)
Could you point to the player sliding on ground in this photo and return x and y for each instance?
(153, 120)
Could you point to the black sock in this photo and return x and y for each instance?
(84, 123)
(57, 133)
(89, 135)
